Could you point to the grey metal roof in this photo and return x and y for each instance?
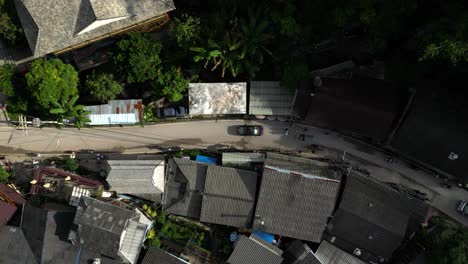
(374, 217)
(47, 233)
(229, 196)
(158, 256)
(217, 98)
(254, 250)
(100, 225)
(185, 180)
(330, 254)
(362, 106)
(299, 165)
(55, 24)
(116, 112)
(296, 198)
(136, 176)
(15, 247)
(300, 253)
(435, 118)
(242, 158)
(269, 98)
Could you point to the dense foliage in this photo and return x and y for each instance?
(137, 57)
(8, 29)
(7, 72)
(446, 243)
(172, 84)
(4, 175)
(103, 86)
(180, 232)
(51, 81)
(185, 29)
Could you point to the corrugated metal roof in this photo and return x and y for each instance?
(116, 112)
(100, 225)
(15, 248)
(253, 250)
(269, 98)
(330, 254)
(229, 196)
(157, 256)
(242, 158)
(136, 176)
(300, 253)
(293, 204)
(185, 183)
(217, 98)
(374, 217)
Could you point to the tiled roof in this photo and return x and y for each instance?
(184, 186)
(296, 197)
(229, 196)
(254, 250)
(300, 253)
(55, 24)
(159, 256)
(374, 217)
(15, 247)
(269, 98)
(136, 176)
(330, 254)
(100, 225)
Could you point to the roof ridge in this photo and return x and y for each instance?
(256, 238)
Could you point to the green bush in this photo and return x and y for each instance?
(4, 175)
(7, 72)
(71, 164)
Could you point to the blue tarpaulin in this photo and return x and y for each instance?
(265, 236)
(206, 159)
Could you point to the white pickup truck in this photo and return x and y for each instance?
(462, 207)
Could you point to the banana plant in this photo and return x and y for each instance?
(68, 109)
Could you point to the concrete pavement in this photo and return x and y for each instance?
(203, 134)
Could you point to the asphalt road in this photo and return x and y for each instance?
(205, 134)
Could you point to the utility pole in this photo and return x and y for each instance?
(23, 124)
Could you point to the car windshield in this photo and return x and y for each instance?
(248, 130)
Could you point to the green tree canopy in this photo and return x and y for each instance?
(447, 244)
(4, 175)
(51, 80)
(8, 30)
(7, 72)
(186, 30)
(103, 86)
(172, 84)
(137, 57)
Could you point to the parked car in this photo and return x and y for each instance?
(462, 207)
(446, 186)
(172, 112)
(250, 130)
